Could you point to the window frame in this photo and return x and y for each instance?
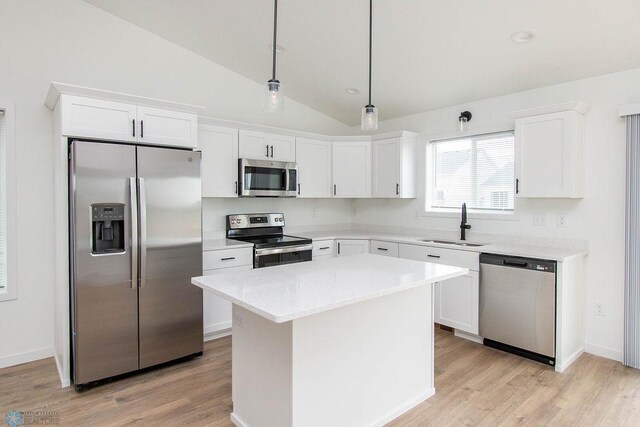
(478, 214)
(11, 290)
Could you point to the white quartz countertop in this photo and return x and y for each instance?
(289, 292)
(530, 251)
(217, 244)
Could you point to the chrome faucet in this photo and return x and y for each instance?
(463, 224)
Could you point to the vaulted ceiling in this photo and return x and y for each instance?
(427, 53)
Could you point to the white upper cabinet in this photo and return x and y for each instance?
(550, 154)
(99, 119)
(166, 127)
(352, 169)
(118, 121)
(314, 168)
(219, 166)
(394, 167)
(267, 146)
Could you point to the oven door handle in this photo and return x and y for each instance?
(285, 250)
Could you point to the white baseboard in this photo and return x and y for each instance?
(609, 353)
(566, 363)
(217, 330)
(404, 408)
(237, 421)
(468, 336)
(29, 356)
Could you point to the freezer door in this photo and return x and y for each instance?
(170, 254)
(104, 294)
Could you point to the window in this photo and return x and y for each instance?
(476, 170)
(8, 290)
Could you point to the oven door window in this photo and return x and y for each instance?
(258, 178)
(280, 259)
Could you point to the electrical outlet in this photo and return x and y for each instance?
(562, 220)
(314, 212)
(416, 214)
(600, 309)
(540, 219)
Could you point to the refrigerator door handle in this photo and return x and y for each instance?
(143, 232)
(133, 203)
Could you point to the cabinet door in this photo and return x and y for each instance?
(379, 247)
(282, 148)
(544, 155)
(352, 169)
(314, 168)
(352, 247)
(166, 127)
(457, 302)
(97, 118)
(219, 166)
(254, 145)
(386, 167)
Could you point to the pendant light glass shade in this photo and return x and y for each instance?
(274, 97)
(369, 119)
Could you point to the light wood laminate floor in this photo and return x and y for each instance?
(474, 386)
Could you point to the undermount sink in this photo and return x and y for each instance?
(451, 242)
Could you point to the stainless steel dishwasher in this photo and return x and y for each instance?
(518, 305)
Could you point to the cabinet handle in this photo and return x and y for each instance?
(433, 256)
(267, 150)
(236, 187)
(397, 189)
(133, 126)
(272, 151)
(338, 248)
(325, 248)
(517, 186)
(141, 128)
(383, 249)
(227, 259)
(334, 189)
(298, 189)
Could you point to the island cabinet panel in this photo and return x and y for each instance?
(219, 165)
(352, 247)
(457, 301)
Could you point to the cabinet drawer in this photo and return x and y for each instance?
(458, 258)
(384, 248)
(323, 247)
(225, 258)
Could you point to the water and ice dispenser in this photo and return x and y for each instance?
(107, 228)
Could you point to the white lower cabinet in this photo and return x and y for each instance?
(352, 247)
(457, 300)
(323, 249)
(380, 247)
(216, 311)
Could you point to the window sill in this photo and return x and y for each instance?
(8, 296)
(475, 215)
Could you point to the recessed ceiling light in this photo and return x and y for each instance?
(279, 48)
(352, 90)
(522, 36)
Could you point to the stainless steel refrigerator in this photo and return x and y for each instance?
(135, 242)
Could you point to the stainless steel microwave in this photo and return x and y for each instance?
(265, 178)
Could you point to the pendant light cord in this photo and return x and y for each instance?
(370, 43)
(275, 30)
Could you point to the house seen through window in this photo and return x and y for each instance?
(476, 170)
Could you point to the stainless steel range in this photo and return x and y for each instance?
(270, 245)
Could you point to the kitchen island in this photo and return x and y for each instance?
(345, 341)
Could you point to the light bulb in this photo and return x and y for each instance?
(369, 118)
(274, 98)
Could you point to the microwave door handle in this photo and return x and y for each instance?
(287, 180)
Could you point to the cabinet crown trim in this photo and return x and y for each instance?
(577, 106)
(57, 89)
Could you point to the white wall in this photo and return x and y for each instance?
(73, 42)
(598, 218)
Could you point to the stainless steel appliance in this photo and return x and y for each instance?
(135, 243)
(518, 305)
(264, 178)
(270, 245)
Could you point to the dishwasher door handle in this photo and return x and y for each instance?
(509, 263)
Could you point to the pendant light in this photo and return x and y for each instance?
(274, 99)
(370, 112)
